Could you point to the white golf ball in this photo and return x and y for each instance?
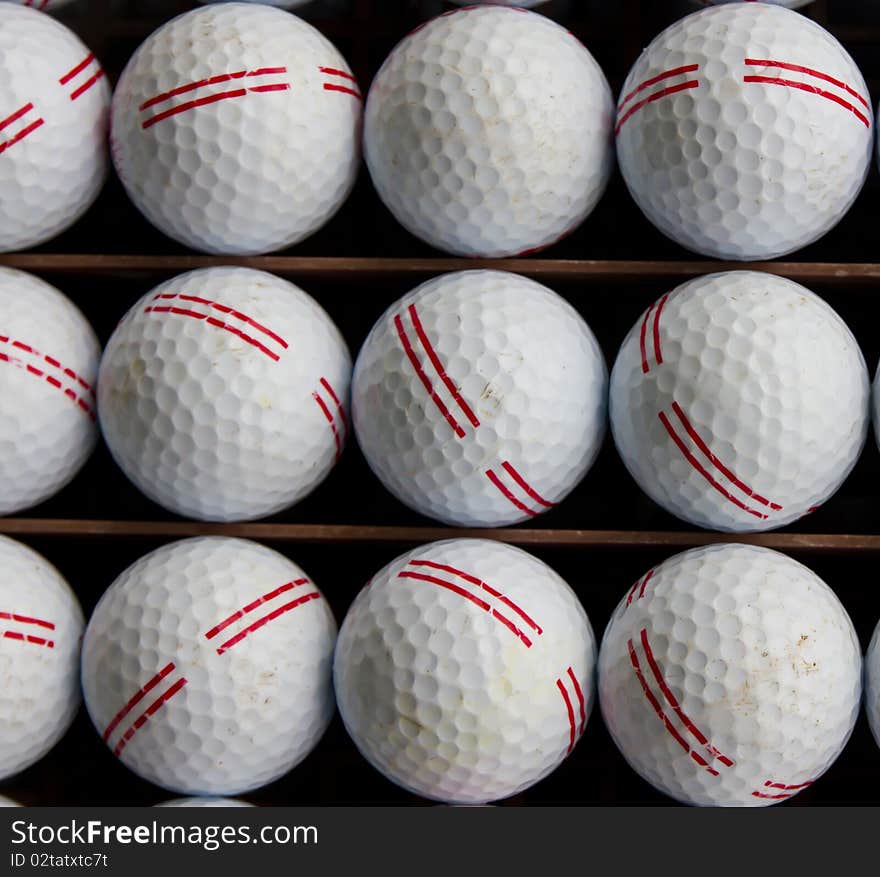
(872, 684)
(522, 4)
(48, 412)
(464, 670)
(41, 626)
(479, 398)
(223, 394)
(744, 131)
(235, 128)
(53, 127)
(488, 132)
(730, 675)
(791, 4)
(207, 666)
(204, 802)
(739, 401)
(43, 5)
(283, 4)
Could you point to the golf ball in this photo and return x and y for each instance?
(43, 5)
(744, 131)
(223, 394)
(235, 128)
(41, 627)
(8, 802)
(488, 132)
(479, 398)
(204, 802)
(207, 666)
(730, 675)
(872, 684)
(53, 127)
(48, 366)
(739, 401)
(464, 670)
(791, 4)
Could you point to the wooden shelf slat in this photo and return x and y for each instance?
(350, 533)
(359, 267)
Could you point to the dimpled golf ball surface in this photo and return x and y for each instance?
(235, 128)
(740, 401)
(204, 802)
(730, 675)
(479, 399)
(744, 131)
(41, 627)
(44, 5)
(488, 132)
(206, 666)
(48, 366)
(223, 394)
(790, 4)
(54, 104)
(464, 670)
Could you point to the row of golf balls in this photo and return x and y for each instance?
(739, 401)
(464, 670)
(53, 5)
(743, 131)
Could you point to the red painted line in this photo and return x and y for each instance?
(772, 797)
(260, 89)
(224, 309)
(580, 697)
(632, 591)
(27, 638)
(676, 707)
(219, 324)
(658, 354)
(151, 710)
(508, 495)
(20, 136)
(15, 116)
(658, 709)
(568, 707)
(261, 622)
(508, 468)
(642, 336)
(138, 697)
(698, 441)
(26, 619)
(426, 383)
(482, 604)
(76, 70)
(668, 74)
(86, 85)
(334, 72)
(797, 68)
(322, 405)
(330, 87)
(326, 385)
(657, 95)
(190, 105)
(811, 89)
(260, 601)
(212, 80)
(480, 584)
(53, 382)
(771, 785)
(69, 372)
(645, 581)
(438, 366)
(699, 467)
